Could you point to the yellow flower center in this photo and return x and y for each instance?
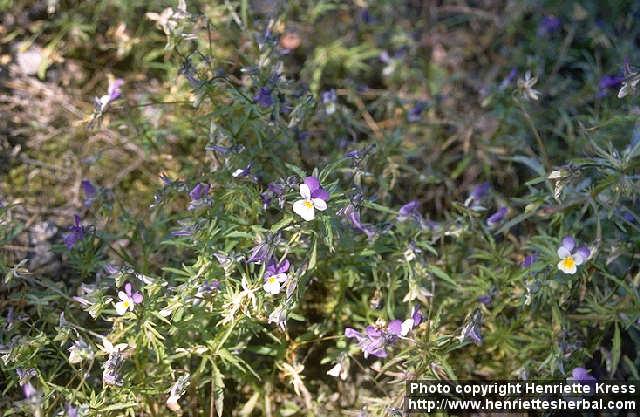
(308, 204)
(271, 280)
(568, 262)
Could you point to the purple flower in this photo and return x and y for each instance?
(259, 253)
(377, 339)
(409, 210)
(199, 195)
(472, 329)
(274, 190)
(274, 268)
(89, 191)
(76, 233)
(529, 260)
(329, 100)
(415, 113)
(114, 89)
(112, 269)
(372, 343)
(263, 250)
(27, 388)
(72, 411)
(113, 93)
(608, 83)
(242, 172)
(315, 189)
(135, 296)
(581, 374)
(479, 191)
(199, 191)
(416, 315)
(329, 96)
(485, 299)
(497, 217)
(263, 98)
(570, 259)
(352, 214)
(509, 79)
(549, 25)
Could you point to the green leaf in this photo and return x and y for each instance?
(441, 274)
(296, 169)
(615, 350)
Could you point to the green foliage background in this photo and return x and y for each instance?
(475, 128)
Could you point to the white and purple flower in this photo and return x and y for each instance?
(113, 93)
(570, 256)
(275, 274)
(128, 299)
(314, 197)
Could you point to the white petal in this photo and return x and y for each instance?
(407, 325)
(108, 346)
(335, 371)
(566, 270)
(305, 192)
(121, 307)
(282, 277)
(578, 258)
(272, 287)
(301, 209)
(122, 295)
(319, 203)
(563, 252)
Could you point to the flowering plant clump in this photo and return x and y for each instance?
(293, 209)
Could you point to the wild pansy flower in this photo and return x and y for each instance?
(177, 391)
(352, 214)
(199, 196)
(609, 82)
(128, 299)
(76, 233)
(264, 249)
(113, 93)
(274, 190)
(415, 113)
(89, 191)
(80, 351)
(570, 259)
(529, 260)
(549, 25)
(28, 390)
(497, 217)
(329, 100)
(314, 197)
(275, 274)
(243, 172)
(476, 195)
(582, 376)
(263, 97)
(472, 329)
(409, 210)
(526, 87)
(377, 338)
